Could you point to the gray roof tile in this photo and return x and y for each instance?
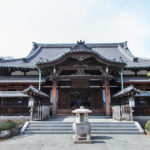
(11, 94)
(125, 91)
(35, 92)
(50, 52)
(143, 94)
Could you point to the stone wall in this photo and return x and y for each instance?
(46, 112)
(10, 132)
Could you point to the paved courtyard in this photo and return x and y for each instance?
(64, 142)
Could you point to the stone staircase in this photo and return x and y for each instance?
(59, 127)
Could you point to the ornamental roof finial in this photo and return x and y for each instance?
(81, 46)
(34, 46)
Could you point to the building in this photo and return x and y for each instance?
(76, 74)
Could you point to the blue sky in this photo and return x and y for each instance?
(63, 21)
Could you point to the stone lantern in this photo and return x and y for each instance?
(81, 126)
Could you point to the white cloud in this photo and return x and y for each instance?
(54, 21)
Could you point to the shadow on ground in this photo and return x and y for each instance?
(99, 139)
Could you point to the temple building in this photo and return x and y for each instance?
(95, 75)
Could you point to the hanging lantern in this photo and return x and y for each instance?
(31, 102)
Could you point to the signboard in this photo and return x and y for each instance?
(131, 102)
(31, 102)
(80, 83)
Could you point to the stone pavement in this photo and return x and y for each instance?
(91, 119)
(65, 142)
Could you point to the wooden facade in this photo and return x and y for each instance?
(79, 78)
(79, 75)
(14, 106)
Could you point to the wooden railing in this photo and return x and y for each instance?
(41, 112)
(37, 113)
(141, 110)
(121, 112)
(14, 110)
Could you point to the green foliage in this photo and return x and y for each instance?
(7, 125)
(45, 118)
(148, 74)
(147, 125)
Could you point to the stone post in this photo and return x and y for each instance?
(31, 114)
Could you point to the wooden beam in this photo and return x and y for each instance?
(80, 77)
(85, 67)
(107, 97)
(54, 90)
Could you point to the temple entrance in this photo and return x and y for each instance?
(70, 99)
(80, 97)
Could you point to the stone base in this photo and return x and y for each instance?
(83, 142)
(10, 132)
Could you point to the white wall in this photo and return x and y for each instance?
(17, 73)
(142, 72)
(128, 72)
(32, 73)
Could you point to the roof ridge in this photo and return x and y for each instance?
(37, 51)
(10, 60)
(144, 59)
(123, 51)
(69, 45)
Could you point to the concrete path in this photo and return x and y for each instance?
(65, 142)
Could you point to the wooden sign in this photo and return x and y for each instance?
(80, 83)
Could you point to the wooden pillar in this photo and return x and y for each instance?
(107, 97)
(54, 90)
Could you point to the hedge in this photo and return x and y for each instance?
(147, 125)
(7, 125)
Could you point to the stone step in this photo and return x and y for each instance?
(58, 127)
(49, 132)
(93, 125)
(59, 122)
(70, 129)
(115, 132)
(71, 132)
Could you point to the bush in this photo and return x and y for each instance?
(147, 125)
(7, 125)
(45, 118)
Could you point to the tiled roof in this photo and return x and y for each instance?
(20, 79)
(11, 94)
(34, 91)
(132, 79)
(126, 91)
(49, 52)
(143, 94)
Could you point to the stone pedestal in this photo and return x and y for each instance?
(81, 126)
